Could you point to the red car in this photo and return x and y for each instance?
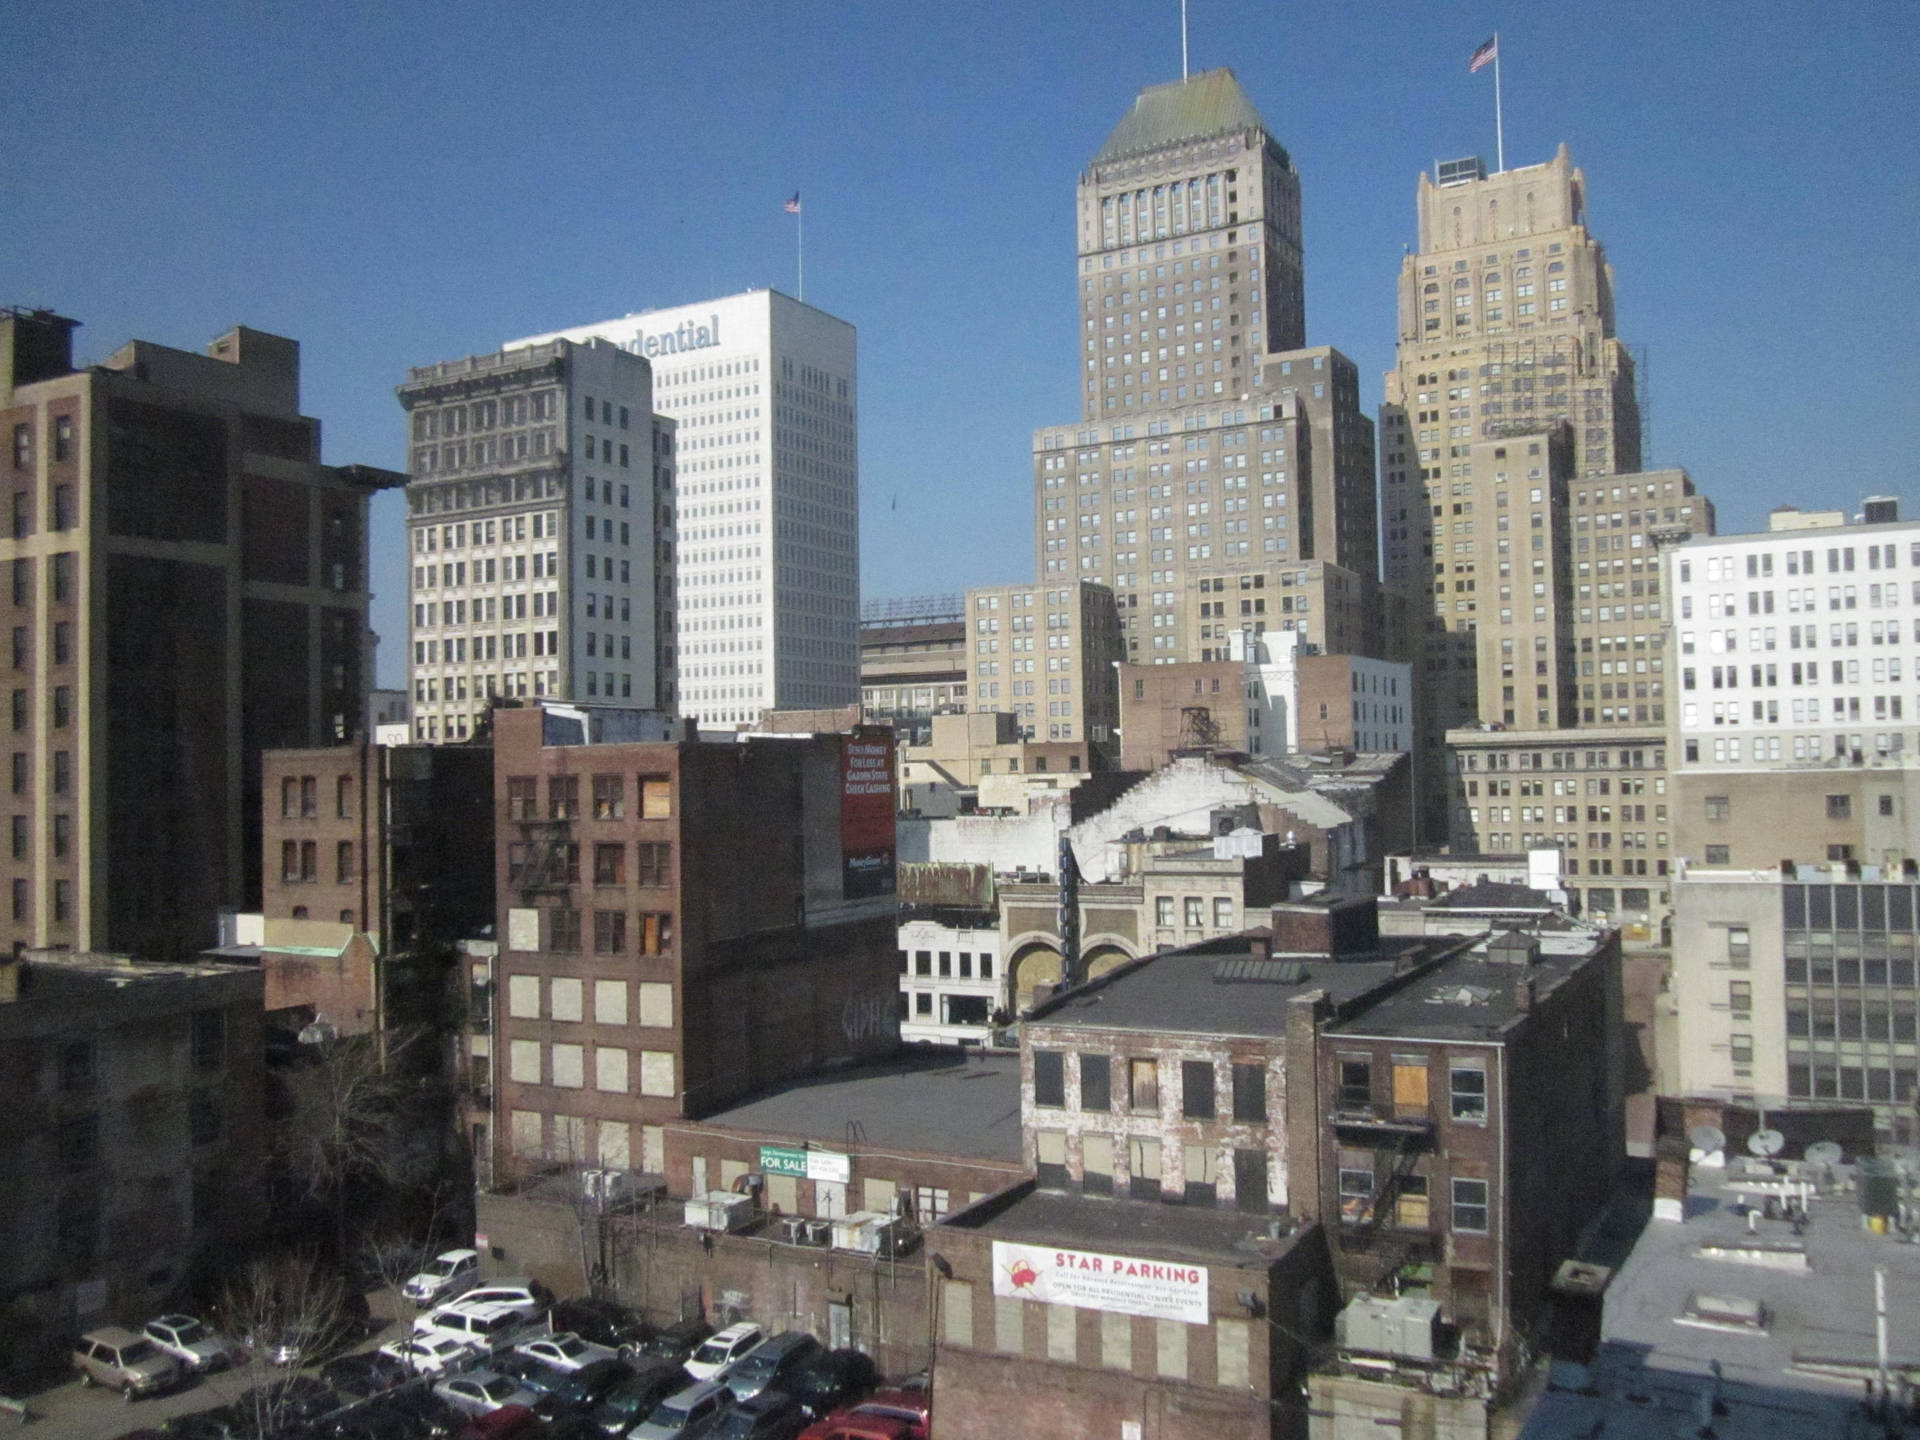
(883, 1415)
(509, 1422)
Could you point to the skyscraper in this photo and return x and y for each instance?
(766, 397)
(540, 531)
(189, 590)
(1215, 453)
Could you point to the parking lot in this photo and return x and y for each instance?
(90, 1413)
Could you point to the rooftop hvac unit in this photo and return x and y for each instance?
(872, 1232)
(1407, 1327)
(719, 1210)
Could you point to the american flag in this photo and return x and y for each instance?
(1485, 55)
(793, 205)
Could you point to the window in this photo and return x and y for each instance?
(1468, 1092)
(1719, 808)
(77, 1068)
(1839, 807)
(1719, 854)
(1470, 1206)
(1250, 1092)
(654, 931)
(609, 797)
(1143, 1084)
(563, 930)
(656, 797)
(343, 862)
(1195, 911)
(1740, 996)
(521, 804)
(563, 797)
(343, 797)
(1739, 944)
(1356, 1082)
(1222, 912)
(1196, 1089)
(1096, 1082)
(1163, 911)
(1049, 1079)
(653, 865)
(209, 1040)
(609, 932)
(309, 797)
(309, 861)
(1410, 1210)
(1886, 804)
(609, 864)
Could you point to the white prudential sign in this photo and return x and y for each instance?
(1156, 1289)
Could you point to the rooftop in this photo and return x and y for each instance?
(1653, 1369)
(1087, 1222)
(936, 1102)
(1470, 997)
(1210, 103)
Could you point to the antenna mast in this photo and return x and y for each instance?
(1183, 39)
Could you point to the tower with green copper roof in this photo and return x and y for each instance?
(1189, 244)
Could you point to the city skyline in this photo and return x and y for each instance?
(959, 167)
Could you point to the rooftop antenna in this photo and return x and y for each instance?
(1183, 39)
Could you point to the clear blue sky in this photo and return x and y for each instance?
(393, 183)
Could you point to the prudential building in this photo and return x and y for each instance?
(765, 394)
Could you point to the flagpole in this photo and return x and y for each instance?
(1499, 129)
(800, 256)
(1183, 39)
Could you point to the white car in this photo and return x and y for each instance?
(432, 1355)
(721, 1352)
(565, 1351)
(445, 1277)
(483, 1392)
(190, 1342)
(484, 1327)
(529, 1297)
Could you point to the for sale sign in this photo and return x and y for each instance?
(1099, 1280)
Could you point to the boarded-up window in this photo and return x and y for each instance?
(656, 1072)
(1050, 1147)
(1063, 1333)
(1009, 1324)
(1201, 1162)
(569, 1066)
(730, 1171)
(523, 997)
(653, 1148)
(566, 998)
(1096, 1154)
(656, 1003)
(610, 1002)
(880, 1195)
(523, 929)
(1232, 1339)
(616, 1140)
(1144, 1078)
(956, 1305)
(656, 797)
(783, 1193)
(1143, 1158)
(1170, 1347)
(610, 1069)
(523, 1062)
(525, 1128)
(1116, 1341)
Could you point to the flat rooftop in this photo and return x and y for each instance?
(1470, 997)
(934, 1102)
(1160, 1231)
(1652, 1370)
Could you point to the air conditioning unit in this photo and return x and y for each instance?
(719, 1210)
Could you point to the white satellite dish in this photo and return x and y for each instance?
(1707, 1138)
(1766, 1143)
(1823, 1152)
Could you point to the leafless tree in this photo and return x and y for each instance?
(289, 1308)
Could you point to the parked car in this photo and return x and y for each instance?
(770, 1415)
(686, 1414)
(722, 1352)
(586, 1387)
(529, 1297)
(773, 1363)
(371, 1372)
(123, 1361)
(633, 1400)
(832, 1380)
(447, 1276)
(676, 1342)
(883, 1415)
(485, 1326)
(602, 1322)
(483, 1391)
(190, 1342)
(564, 1351)
(428, 1354)
(292, 1399)
(509, 1422)
(428, 1417)
(220, 1423)
(535, 1375)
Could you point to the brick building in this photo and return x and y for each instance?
(132, 1151)
(188, 590)
(639, 982)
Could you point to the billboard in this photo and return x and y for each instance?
(805, 1164)
(1124, 1284)
(867, 812)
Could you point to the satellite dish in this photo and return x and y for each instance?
(1707, 1138)
(1823, 1152)
(1766, 1143)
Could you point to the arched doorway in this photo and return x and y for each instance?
(1035, 964)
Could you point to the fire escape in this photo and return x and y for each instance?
(1378, 1236)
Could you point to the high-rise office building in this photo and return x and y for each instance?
(1047, 655)
(189, 590)
(540, 529)
(1216, 452)
(766, 396)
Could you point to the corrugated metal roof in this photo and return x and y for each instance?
(1267, 972)
(1210, 103)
